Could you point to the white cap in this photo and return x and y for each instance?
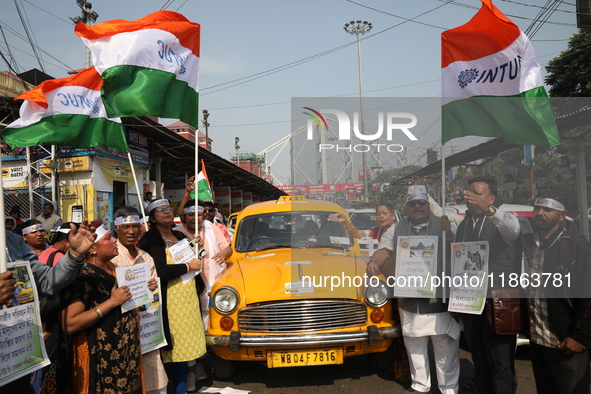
(417, 192)
(33, 228)
(155, 204)
(132, 219)
(189, 209)
(549, 203)
(100, 232)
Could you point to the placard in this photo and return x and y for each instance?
(135, 277)
(22, 349)
(416, 265)
(182, 253)
(469, 266)
(151, 328)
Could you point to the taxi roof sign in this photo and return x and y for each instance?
(286, 199)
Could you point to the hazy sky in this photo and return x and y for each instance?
(240, 39)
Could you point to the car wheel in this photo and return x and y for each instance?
(223, 369)
(381, 361)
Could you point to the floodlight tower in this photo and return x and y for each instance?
(87, 17)
(359, 28)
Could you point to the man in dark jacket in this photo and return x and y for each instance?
(559, 308)
(493, 355)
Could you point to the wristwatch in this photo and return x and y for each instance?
(491, 211)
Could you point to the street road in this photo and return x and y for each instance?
(354, 376)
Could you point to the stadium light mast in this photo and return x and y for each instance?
(358, 29)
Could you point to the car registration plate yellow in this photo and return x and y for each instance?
(294, 358)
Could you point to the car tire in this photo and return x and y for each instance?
(223, 369)
(381, 361)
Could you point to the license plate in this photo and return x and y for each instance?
(294, 358)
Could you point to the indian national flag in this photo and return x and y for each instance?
(492, 83)
(203, 188)
(150, 67)
(68, 112)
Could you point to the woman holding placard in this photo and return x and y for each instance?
(181, 312)
(105, 343)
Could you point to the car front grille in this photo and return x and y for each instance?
(302, 315)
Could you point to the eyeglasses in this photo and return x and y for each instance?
(414, 203)
(163, 209)
(210, 209)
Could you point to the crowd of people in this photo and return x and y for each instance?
(94, 347)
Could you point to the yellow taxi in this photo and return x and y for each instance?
(296, 292)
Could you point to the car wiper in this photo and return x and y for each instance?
(278, 246)
(332, 246)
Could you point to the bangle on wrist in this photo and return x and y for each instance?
(98, 312)
(77, 259)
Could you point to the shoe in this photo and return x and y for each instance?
(413, 391)
(191, 381)
(200, 372)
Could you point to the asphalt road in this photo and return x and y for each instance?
(354, 376)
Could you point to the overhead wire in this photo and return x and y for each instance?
(10, 29)
(30, 40)
(287, 66)
(55, 16)
(458, 4)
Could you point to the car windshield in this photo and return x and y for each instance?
(364, 220)
(291, 230)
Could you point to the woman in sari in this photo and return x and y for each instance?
(181, 315)
(105, 351)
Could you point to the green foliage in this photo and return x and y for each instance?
(569, 74)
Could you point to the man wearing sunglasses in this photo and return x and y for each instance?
(493, 354)
(211, 213)
(424, 319)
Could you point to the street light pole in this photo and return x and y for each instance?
(359, 28)
(87, 17)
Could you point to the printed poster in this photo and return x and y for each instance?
(22, 349)
(135, 277)
(183, 253)
(469, 266)
(151, 329)
(416, 265)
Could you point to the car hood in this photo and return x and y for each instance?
(301, 273)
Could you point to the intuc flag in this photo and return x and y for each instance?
(492, 83)
(68, 112)
(150, 67)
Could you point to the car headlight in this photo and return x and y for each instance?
(376, 296)
(225, 300)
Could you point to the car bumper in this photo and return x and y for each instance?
(236, 340)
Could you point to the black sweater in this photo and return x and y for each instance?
(569, 307)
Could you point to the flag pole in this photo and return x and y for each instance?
(137, 189)
(197, 173)
(443, 237)
(3, 251)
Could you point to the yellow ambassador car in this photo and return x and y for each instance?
(296, 292)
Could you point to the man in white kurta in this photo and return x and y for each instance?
(425, 319)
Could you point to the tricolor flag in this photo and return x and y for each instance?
(203, 188)
(68, 112)
(492, 83)
(150, 67)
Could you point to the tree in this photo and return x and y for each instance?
(569, 74)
